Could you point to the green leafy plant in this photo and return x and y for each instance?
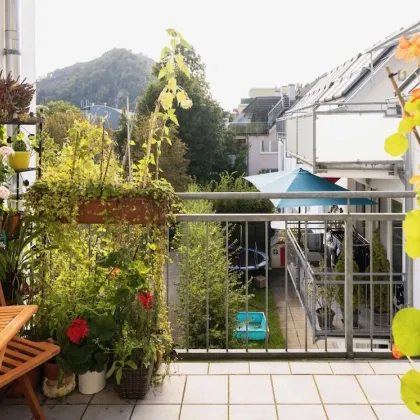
(193, 288)
(358, 290)
(380, 264)
(20, 255)
(324, 294)
(406, 323)
(90, 353)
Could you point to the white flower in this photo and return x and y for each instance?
(4, 192)
(6, 151)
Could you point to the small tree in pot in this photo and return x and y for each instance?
(325, 295)
(358, 290)
(381, 284)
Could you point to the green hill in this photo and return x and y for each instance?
(107, 79)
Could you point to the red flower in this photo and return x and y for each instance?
(78, 329)
(146, 299)
(396, 352)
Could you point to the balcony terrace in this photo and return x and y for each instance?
(303, 368)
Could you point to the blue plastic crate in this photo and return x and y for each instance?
(256, 326)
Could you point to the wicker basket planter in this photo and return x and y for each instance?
(136, 382)
(139, 211)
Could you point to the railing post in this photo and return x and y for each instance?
(348, 289)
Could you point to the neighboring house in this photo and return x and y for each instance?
(338, 128)
(256, 126)
(110, 115)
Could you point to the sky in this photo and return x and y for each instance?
(244, 43)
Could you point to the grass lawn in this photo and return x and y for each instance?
(257, 304)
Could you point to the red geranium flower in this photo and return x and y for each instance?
(78, 330)
(146, 299)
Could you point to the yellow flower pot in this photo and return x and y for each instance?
(20, 160)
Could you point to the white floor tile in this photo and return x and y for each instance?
(350, 412)
(381, 389)
(351, 368)
(189, 368)
(102, 412)
(250, 389)
(299, 412)
(269, 368)
(206, 389)
(235, 368)
(109, 396)
(204, 412)
(169, 392)
(299, 389)
(310, 368)
(390, 368)
(156, 412)
(252, 412)
(340, 389)
(394, 412)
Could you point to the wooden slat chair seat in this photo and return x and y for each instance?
(20, 356)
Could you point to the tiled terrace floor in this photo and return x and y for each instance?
(246, 391)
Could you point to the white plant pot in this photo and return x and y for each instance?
(92, 382)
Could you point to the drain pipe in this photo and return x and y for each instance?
(12, 37)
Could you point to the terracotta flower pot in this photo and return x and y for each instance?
(51, 386)
(125, 210)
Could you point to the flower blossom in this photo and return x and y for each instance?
(146, 300)
(4, 192)
(407, 49)
(77, 330)
(6, 151)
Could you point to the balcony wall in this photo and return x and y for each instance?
(340, 138)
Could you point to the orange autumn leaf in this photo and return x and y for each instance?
(415, 95)
(407, 49)
(415, 179)
(396, 352)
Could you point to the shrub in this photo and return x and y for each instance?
(228, 182)
(380, 264)
(193, 291)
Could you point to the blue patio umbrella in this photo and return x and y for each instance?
(301, 180)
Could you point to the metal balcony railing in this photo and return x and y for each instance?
(282, 105)
(248, 128)
(225, 270)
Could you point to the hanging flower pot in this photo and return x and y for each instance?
(19, 161)
(125, 210)
(92, 382)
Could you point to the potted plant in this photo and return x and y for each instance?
(85, 352)
(358, 290)
(137, 338)
(15, 98)
(136, 349)
(381, 284)
(21, 157)
(91, 188)
(325, 295)
(19, 257)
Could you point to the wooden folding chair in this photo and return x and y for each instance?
(19, 356)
